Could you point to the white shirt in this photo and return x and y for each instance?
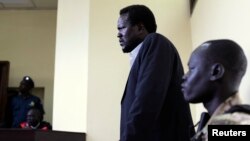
(133, 54)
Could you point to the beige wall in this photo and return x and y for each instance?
(27, 40)
(214, 19)
(109, 67)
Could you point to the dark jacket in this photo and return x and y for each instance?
(153, 107)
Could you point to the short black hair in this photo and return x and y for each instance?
(140, 13)
(230, 54)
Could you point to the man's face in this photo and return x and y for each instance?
(24, 87)
(196, 85)
(33, 117)
(128, 35)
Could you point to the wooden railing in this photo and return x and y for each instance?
(39, 135)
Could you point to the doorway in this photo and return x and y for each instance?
(4, 77)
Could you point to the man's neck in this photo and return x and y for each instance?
(24, 94)
(219, 105)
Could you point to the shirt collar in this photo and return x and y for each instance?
(35, 127)
(134, 53)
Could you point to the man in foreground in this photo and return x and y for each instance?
(216, 68)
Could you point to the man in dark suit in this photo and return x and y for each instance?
(153, 107)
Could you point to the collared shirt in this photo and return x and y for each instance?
(134, 53)
(43, 125)
(220, 118)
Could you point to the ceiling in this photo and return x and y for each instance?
(28, 4)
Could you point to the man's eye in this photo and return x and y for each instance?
(190, 69)
(119, 28)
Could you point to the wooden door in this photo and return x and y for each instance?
(4, 79)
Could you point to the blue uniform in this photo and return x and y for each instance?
(20, 106)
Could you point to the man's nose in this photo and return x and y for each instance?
(119, 35)
(184, 77)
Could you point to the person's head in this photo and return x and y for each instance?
(216, 68)
(26, 84)
(34, 116)
(134, 23)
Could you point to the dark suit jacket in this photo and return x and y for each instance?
(153, 107)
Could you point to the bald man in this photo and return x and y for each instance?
(216, 68)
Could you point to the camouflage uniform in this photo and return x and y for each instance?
(230, 112)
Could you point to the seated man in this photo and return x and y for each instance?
(35, 120)
(216, 68)
(19, 104)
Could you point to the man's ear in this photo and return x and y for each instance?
(141, 26)
(217, 71)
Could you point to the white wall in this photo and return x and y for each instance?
(109, 67)
(71, 66)
(215, 19)
(27, 40)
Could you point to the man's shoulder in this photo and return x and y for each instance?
(245, 108)
(238, 114)
(236, 118)
(46, 124)
(155, 35)
(158, 38)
